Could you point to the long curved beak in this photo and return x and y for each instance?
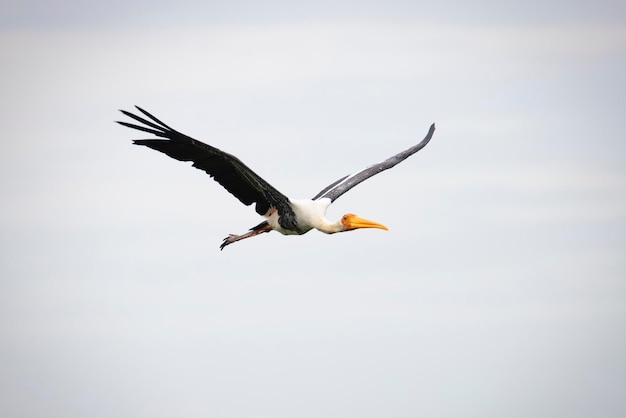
(356, 222)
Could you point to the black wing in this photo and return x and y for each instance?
(341, 186)
(226, 169)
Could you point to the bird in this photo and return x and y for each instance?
(282, 214)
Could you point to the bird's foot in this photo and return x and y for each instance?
(229, 240)
(259, 229)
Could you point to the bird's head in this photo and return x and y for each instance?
(351, 221)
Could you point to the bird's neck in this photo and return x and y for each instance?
(329, 227)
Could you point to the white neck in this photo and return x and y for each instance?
(329, 227)
(311, 214)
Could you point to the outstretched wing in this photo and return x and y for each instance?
(341, 186)
(226, 169)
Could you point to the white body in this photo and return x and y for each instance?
(310, 214)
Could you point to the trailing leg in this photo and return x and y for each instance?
(259, 229)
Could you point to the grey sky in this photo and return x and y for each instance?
(76, 13)
(499, 289)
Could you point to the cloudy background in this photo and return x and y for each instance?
(499, 290)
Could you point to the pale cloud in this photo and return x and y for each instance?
(561, 192)
(244, 56)
(505, 240)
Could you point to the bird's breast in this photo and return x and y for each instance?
(308, 214)
(274, 219)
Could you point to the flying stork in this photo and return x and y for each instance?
(282, 214)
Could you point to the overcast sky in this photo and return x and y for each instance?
(498, 291)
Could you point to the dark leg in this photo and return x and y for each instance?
(259, 229)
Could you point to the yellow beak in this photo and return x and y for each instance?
(354, 222)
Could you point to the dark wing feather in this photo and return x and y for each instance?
(341, 186)
(226, 169)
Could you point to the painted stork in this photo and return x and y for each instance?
(282, 214)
